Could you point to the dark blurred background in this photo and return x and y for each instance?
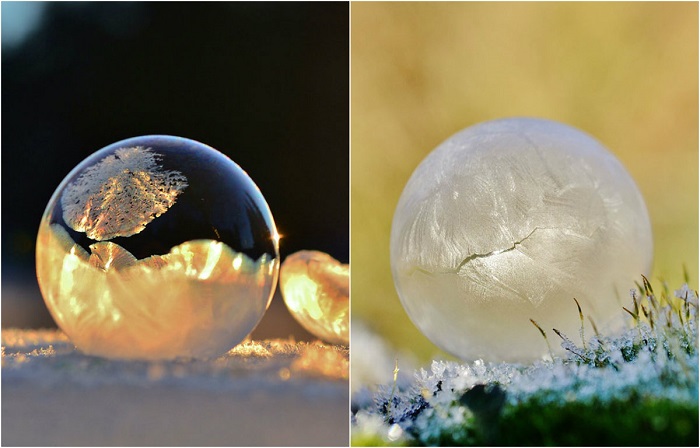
(264, 83)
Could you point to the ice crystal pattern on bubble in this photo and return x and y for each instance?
(121, 194)
(508, 220)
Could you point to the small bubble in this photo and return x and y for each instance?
(315, 288)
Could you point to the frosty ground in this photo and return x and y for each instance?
(635, 388)
(270, 392)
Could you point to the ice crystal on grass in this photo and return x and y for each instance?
(640, 386)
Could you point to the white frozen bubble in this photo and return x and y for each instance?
(508, 221)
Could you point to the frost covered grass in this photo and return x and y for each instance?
(636, 388)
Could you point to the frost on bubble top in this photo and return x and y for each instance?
(121, 194)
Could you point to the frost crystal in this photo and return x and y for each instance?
(121, 194)
(508, 221)
(687, 294)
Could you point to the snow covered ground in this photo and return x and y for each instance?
(269, 392)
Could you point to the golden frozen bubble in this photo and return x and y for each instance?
(508, 221)
(157, 247)
(315, 288)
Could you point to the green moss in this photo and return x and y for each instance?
(634, 422)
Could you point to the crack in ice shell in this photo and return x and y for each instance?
(514, 246)
(473, 257)
(121, 194)
(495, 252)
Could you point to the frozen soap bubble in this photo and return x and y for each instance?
(315, 288)
(157, 247)
(508, 221)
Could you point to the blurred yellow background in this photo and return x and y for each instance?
(627, 73)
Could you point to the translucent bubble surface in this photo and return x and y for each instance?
(157, 247)
(315, 288)
(508, 221)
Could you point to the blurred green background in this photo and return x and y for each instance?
(627, 73)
